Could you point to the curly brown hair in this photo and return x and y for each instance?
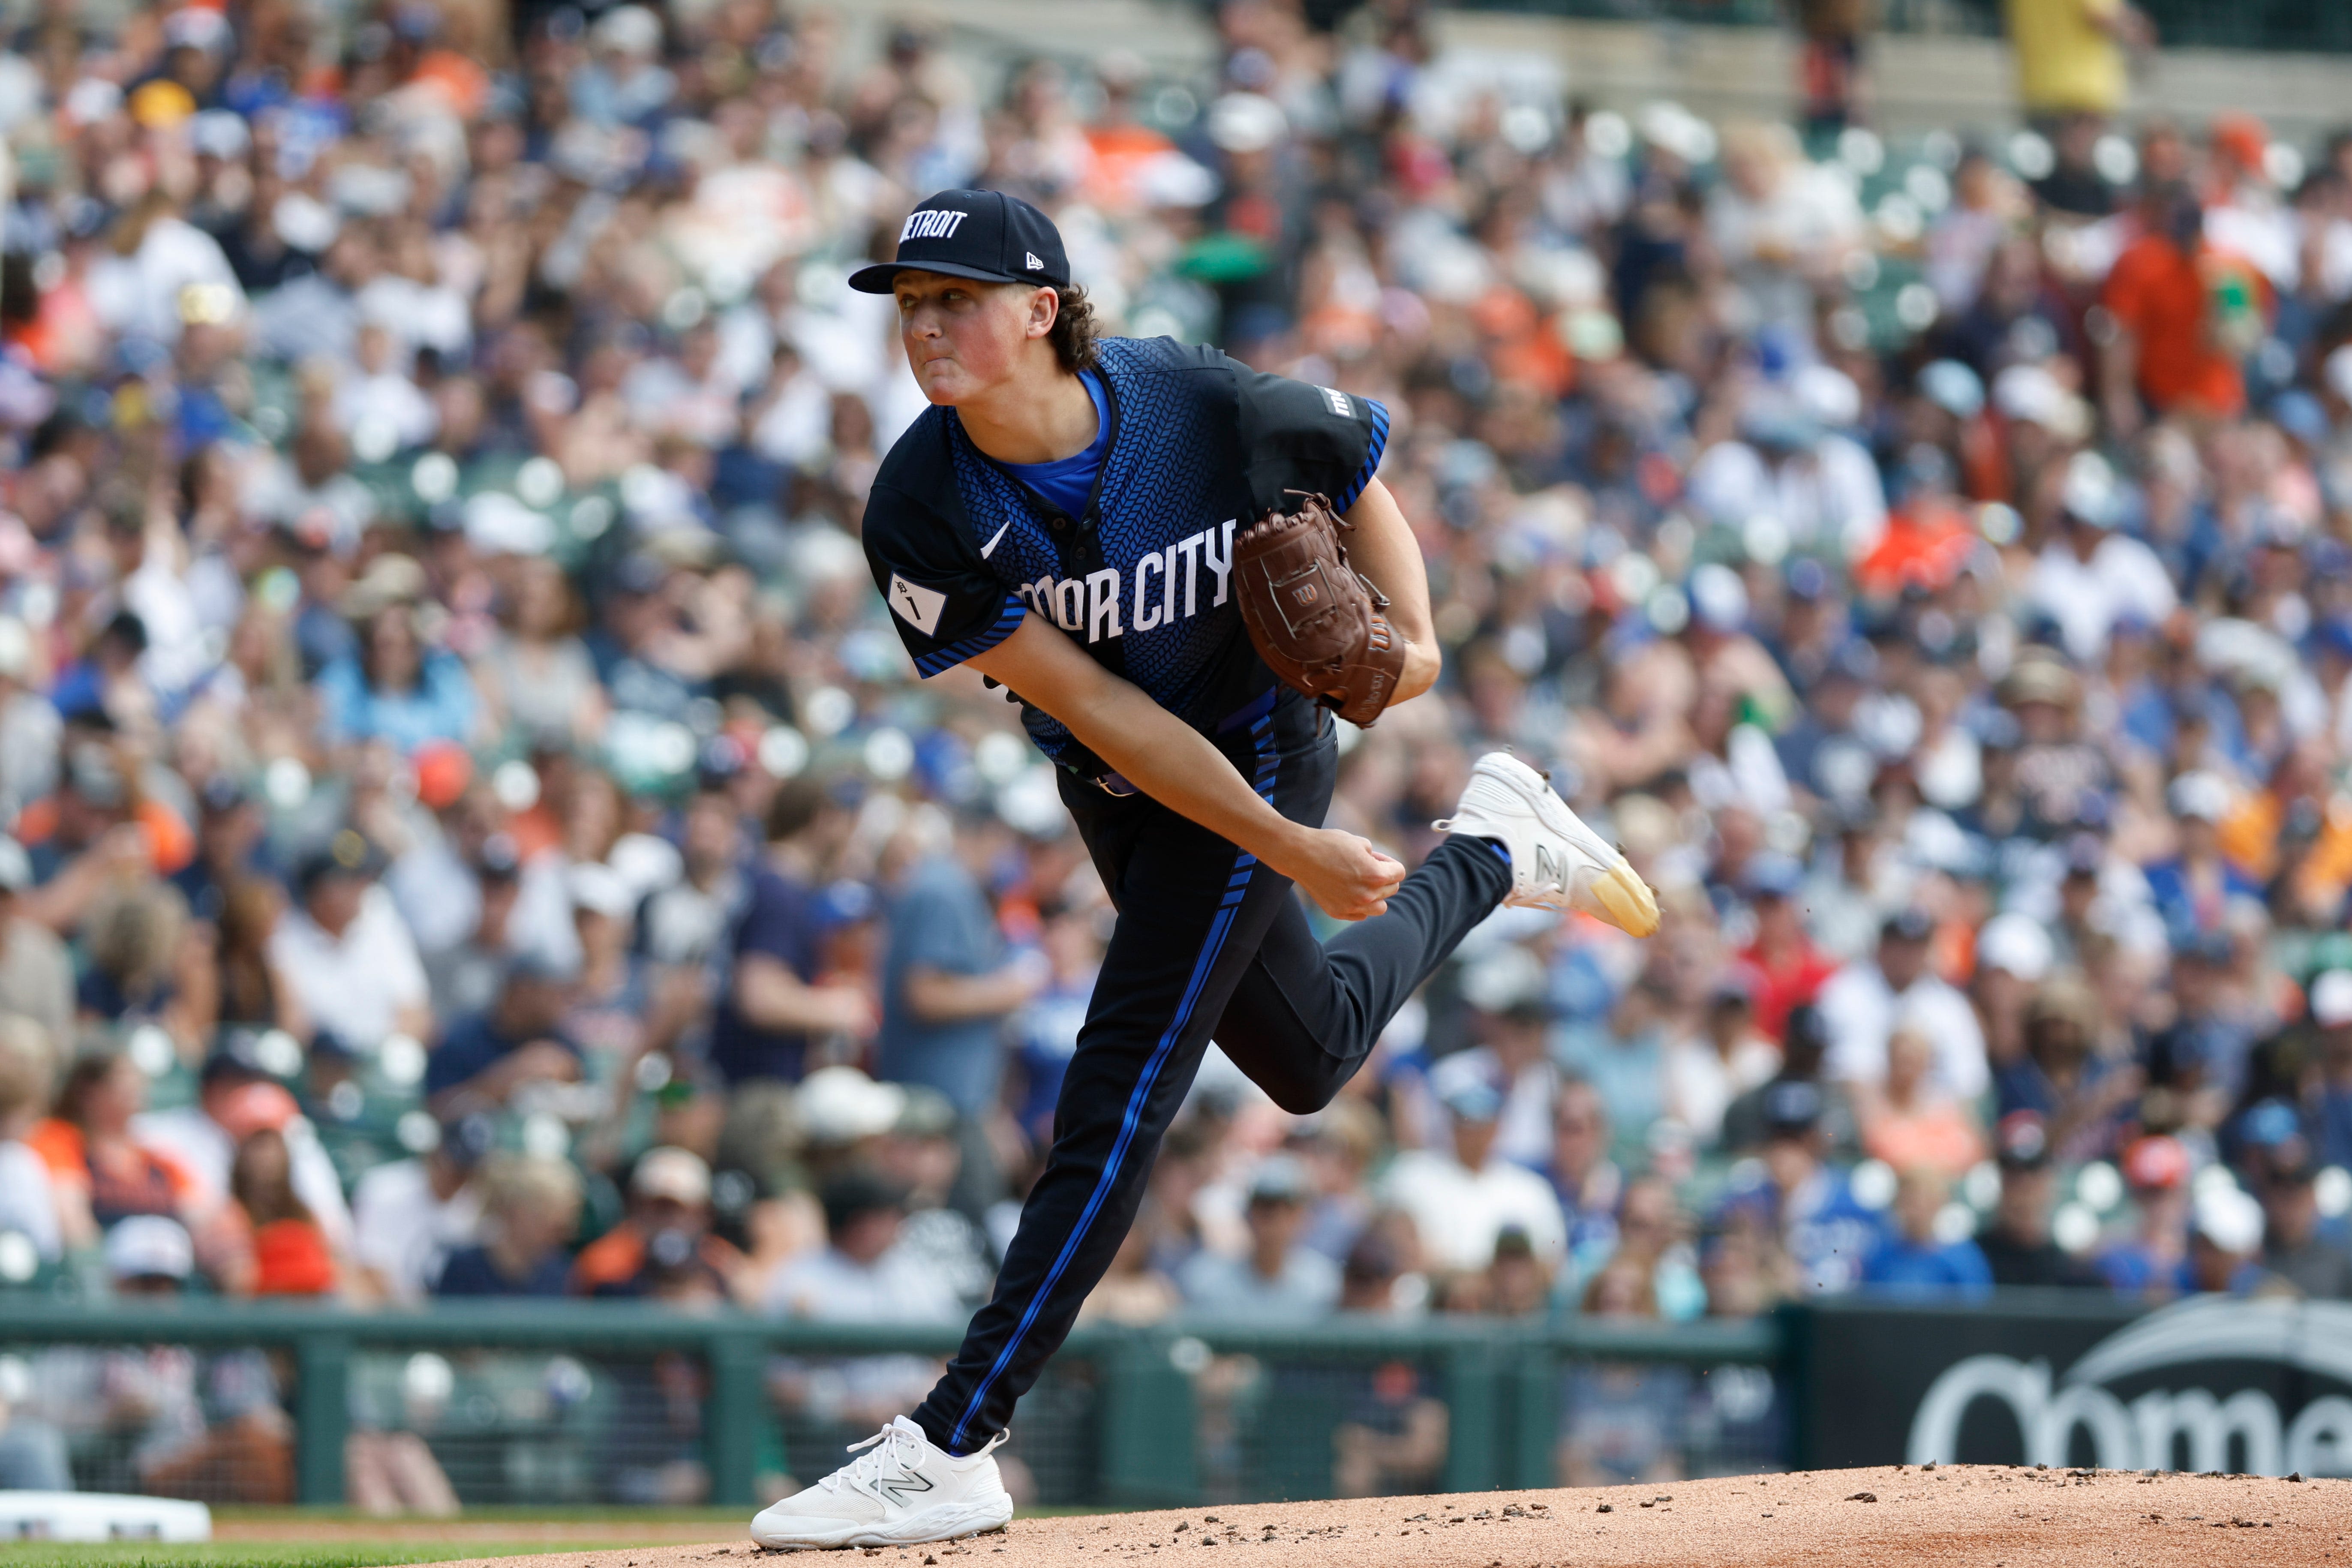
(1075, 328)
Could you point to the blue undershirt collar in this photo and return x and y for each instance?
(1069, 482)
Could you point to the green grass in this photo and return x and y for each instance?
(269, 1554)
(725, 1522)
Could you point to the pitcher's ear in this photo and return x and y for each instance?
(1045, 307)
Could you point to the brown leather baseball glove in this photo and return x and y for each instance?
(1315, 620)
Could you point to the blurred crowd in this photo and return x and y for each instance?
(473, 835)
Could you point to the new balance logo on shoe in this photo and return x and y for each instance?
(1550, 869)
(899, 1487)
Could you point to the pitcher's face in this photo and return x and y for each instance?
(962, 337)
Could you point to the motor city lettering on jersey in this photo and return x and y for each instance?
(1171, 584)
(937, 223)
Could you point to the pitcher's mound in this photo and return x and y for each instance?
(1982, 1516)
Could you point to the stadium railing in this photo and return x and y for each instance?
(531, 1402)
(2268, 25)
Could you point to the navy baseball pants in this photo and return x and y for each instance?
(1209, 943)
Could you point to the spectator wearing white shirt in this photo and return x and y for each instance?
(408, 1217)
(862, 1276)
(376, 402)
(792, 423)
(692, 393)
(1822, 485)
(1862, 1004)
(1780, 222)
(1707, 1069)
(160, 273)
(1460, 1200)
(2091, 577)
(346, 951)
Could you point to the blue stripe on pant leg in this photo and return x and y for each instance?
(1135, 1103)
(1136, 1100)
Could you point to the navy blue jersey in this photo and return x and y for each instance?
(1201, 446)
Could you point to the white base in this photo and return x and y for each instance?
(100, 1516)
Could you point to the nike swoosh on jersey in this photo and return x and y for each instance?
(991, 545)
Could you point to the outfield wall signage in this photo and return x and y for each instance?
(2211, 1383)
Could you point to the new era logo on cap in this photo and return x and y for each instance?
(1033, 264)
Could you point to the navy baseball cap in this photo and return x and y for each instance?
(1792, 1106)
(1910, 923)
(984, 234)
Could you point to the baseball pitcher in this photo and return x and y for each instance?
(1182, 569)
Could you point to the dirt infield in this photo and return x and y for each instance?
(1983, 1516)
(603, 1531)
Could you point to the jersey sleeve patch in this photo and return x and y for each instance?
(916, 605)
(945, 604)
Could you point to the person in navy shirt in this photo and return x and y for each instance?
(771, 1003)
(484, 1056)
(533, 1206)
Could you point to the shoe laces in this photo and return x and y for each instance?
(893, 1444)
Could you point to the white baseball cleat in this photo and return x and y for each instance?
(1557, 862)
(901, 1490)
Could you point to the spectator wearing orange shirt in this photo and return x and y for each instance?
(669, 1196)
(2185, 312)
(1927, 541)
(1131, 164)
(1912, 1125)
(287, 1252)
(103, 1171)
